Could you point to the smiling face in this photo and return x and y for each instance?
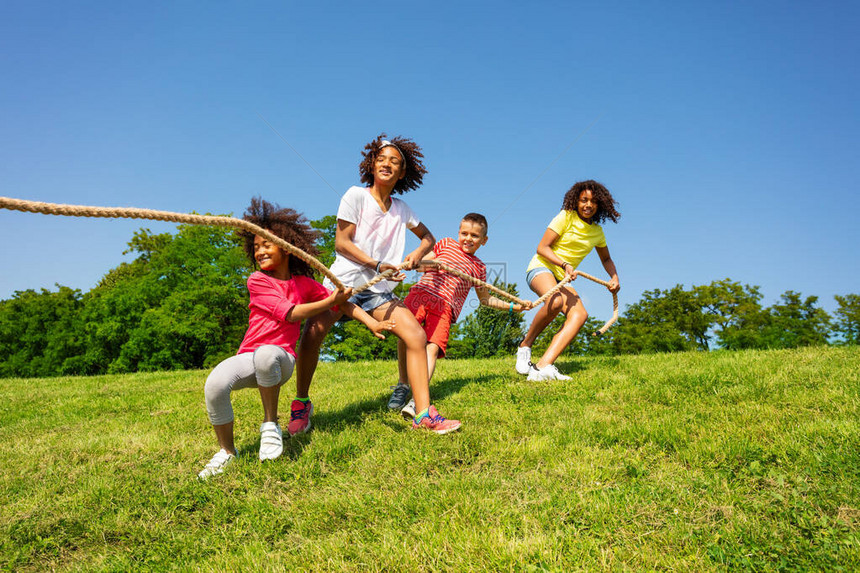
(586, 205)
(471, 236)
(388, 168)
(271, 258)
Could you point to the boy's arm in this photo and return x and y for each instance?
(609, 265)
(375, 326)
(490, 301)
(427, 243)
(308, 309)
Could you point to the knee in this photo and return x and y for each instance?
(415, 339)
(314, 332)
(577, 314)
(269, 362)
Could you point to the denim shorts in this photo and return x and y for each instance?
(368, 300)
(530, 276)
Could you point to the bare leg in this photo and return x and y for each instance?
(224, 433)
(401, 362)
(308, 353)
(432, 355)
(413, 337)
(547, 312)
(269, 396)
(576, 317)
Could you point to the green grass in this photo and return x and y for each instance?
(747, 460)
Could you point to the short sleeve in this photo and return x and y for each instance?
(311, 290)
(601, 241)
(408, 215)
(350, 205)
(559, 222)
(266, 297)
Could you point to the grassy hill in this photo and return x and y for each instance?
(684, 461)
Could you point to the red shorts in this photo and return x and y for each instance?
(433, 314)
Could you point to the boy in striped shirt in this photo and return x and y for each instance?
(437, 299)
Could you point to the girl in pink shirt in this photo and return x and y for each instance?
(283, 293)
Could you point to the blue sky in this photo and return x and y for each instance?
(726, 131)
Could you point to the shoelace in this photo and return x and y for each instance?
(297, 414)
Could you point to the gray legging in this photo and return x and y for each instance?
(267, 366)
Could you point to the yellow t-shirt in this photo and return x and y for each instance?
(575, 240)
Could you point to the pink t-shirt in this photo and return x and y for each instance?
(451, 288)
(271, 300)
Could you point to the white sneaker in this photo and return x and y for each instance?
(408, 411)
(524, 358)
(216, 465)
(271, 441)
(549, 372)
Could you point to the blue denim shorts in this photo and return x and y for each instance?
(530, 276)
(369, 300)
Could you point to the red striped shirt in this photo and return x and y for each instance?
(450, 288)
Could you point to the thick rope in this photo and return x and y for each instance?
(221, 221)
(135, 213)
(546, 296)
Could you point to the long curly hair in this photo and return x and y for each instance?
(285, 223)
(605, 203)
(414, 167)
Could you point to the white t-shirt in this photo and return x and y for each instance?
(380, 235)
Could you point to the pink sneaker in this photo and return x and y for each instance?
(436, 423)
(300, 417)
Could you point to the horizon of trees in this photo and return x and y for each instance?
(182, 304)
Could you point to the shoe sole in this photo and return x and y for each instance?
(443, 432)
(408, 416)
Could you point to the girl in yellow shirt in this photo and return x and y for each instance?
(570, 236)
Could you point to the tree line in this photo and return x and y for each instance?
(182, 304)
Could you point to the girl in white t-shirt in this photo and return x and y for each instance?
(570, 236)
(370, 239)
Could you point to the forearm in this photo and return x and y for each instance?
(306, 310)
(351, 251)
(493, 302)
(357, 313)
(609, 266)
(548, 254)
(428, 241)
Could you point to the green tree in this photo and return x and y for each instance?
(663, 321)
(39, 331)
(796, 322)
(847, 324)
(181, 304)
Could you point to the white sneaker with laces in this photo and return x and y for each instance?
(216, 465)
(524, 357)
(271, 441)
(549, 372)
(408, 411)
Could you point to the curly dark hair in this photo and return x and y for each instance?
(605, 203)
(412, 155)
(285, 223)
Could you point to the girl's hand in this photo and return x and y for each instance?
(396, 277)
(380, 326)
(569, 271)
(339, 297)
(614, 285)
(523, 307)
